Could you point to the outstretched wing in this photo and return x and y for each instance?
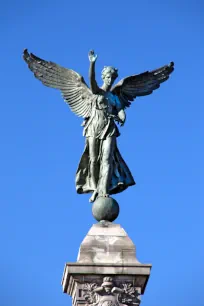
(72, 85)
(141, 84)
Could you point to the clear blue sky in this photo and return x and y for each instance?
(42, 219)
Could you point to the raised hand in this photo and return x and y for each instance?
(92, 56)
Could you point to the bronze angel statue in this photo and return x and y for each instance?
(102, 171)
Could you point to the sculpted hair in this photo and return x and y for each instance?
(109, 69)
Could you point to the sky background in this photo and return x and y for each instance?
(42, 219)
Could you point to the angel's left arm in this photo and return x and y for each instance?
(120, 112)
(122, 116)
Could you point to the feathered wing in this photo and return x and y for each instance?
(72, 85)
(141, 84)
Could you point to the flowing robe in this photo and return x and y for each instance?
(101, 125)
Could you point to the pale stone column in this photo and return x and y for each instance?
(107, 272)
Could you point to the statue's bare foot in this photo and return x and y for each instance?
(93, 197)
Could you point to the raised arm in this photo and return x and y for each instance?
(93, 84)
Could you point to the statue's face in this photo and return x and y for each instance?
(109, 79)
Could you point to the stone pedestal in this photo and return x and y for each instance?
(107, 272)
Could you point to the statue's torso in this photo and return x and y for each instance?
(101, 122)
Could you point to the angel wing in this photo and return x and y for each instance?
(141, 84)
(71, 84)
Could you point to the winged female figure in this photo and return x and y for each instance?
(102, 170)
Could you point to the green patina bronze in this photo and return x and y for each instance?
(105, 209)
(102, 171)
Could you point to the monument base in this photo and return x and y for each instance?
(107, 272)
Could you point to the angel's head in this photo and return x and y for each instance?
(109, 74)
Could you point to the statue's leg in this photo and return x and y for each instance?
(94, 167)
(107, 165)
